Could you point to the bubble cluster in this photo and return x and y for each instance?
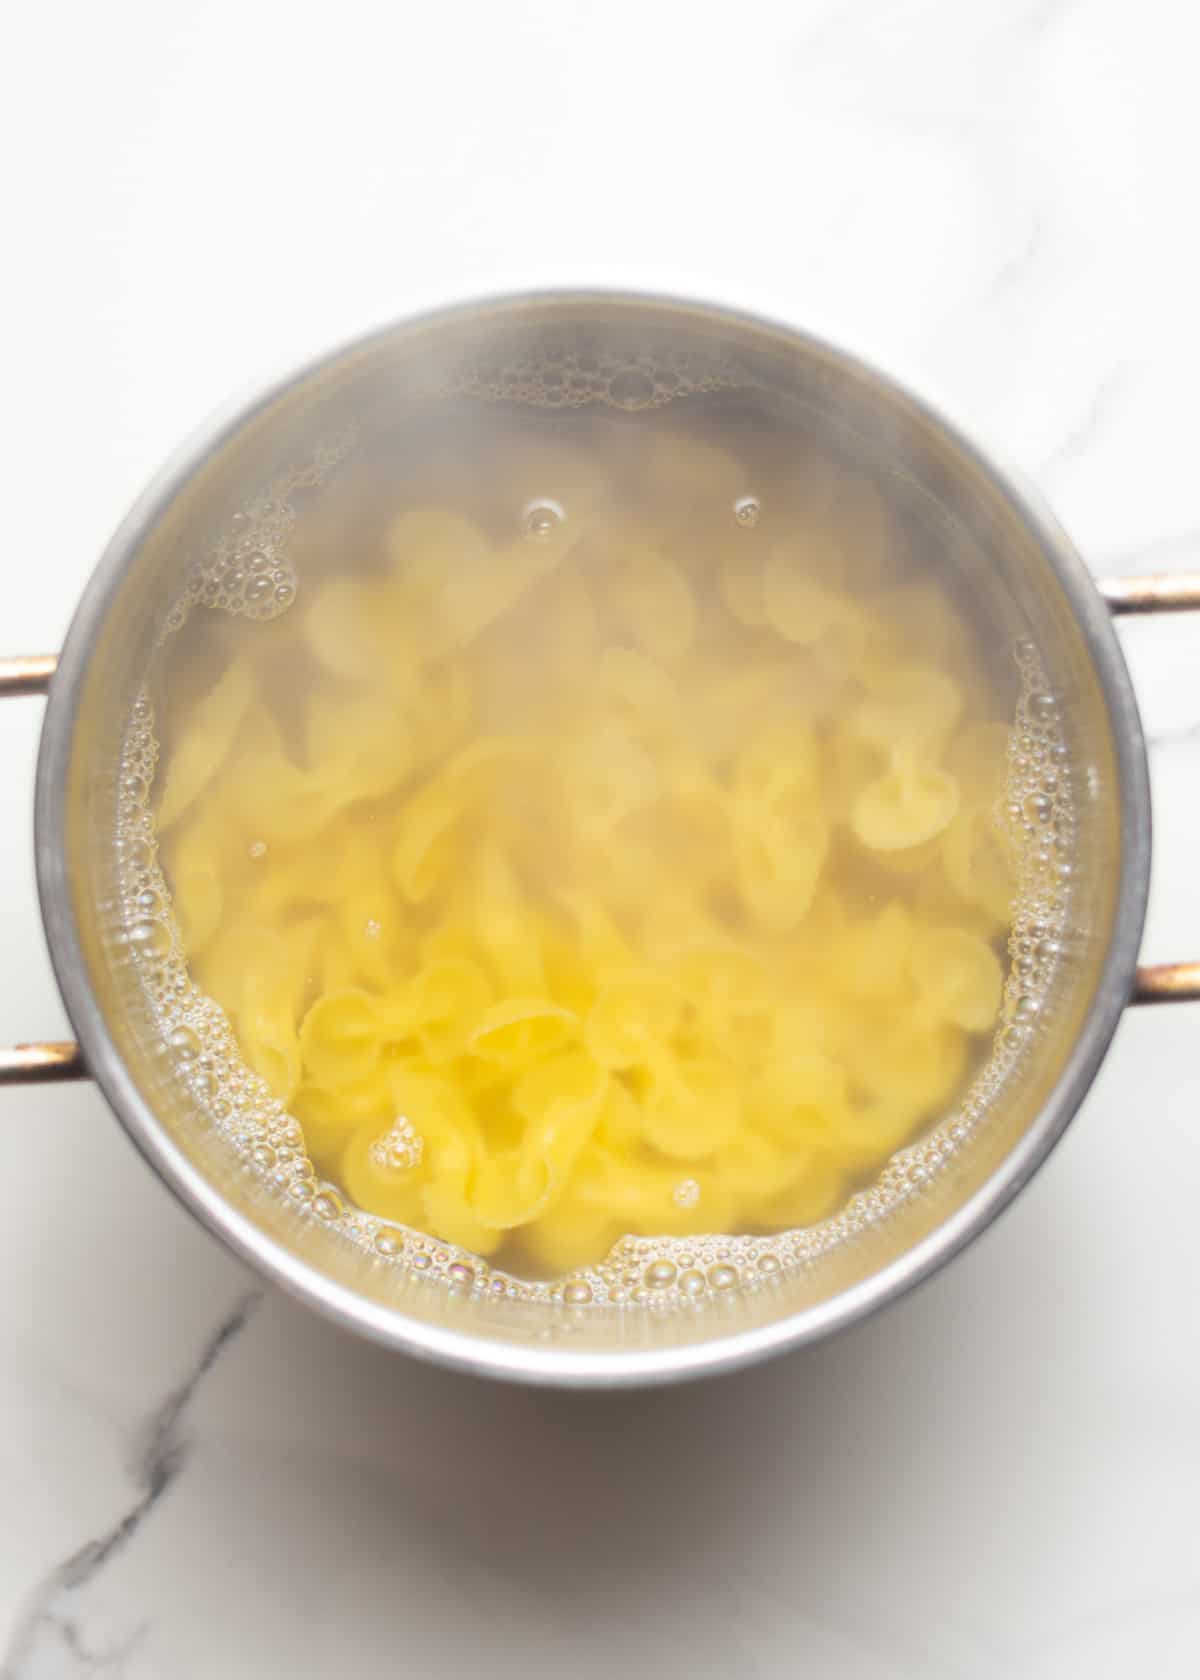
(572, 378)
(400, 1148)
(248, 573)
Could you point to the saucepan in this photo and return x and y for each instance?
(1037, 586)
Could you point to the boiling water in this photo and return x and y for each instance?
(604, 842)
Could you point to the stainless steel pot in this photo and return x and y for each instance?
(1020, 556)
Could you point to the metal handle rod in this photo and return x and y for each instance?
(1154, 593)
(41, 1064)
(35, 1064)
(30, 675)
(1167, 983)
(1158, 592)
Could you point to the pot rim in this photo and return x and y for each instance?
(510, 1360)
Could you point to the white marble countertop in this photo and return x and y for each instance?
(997, 1479)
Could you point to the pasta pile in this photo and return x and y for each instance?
(627, 871)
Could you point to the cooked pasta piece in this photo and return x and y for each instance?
(603, 875)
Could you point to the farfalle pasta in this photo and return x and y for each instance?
(612, 853)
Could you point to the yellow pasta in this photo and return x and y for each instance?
(361, 750)
(272, 982)
(608, 776)
(445, 1002)
(632, 1017)
(780, 829)
(799, 607)
(426, 853)
(341, 1040)
(958, 978)
(517, 1030)
(198, 858)
(654, 600)
(739, 573)
(978, 862)
(690, 1107)
(914, 802)
(689, 474)
(331, 1115)
(358, 630)
(871, 959)
(596, 857)
(271, 797)
(205, 743)
(906, 706)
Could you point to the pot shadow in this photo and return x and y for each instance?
(854, 1496)
(864, 1505)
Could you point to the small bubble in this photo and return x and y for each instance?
(387, 1243)
(257, 849)
(461, 1272)
(722, 1277)
(328, 1205)
(659, 1274)
(686, 1193)
(259, 589)
(421, 1262)
(541, 519)
(138, 851)
(373, 929)
(747, 510)
(151, 939)
(692, 1281)
(768, 1262)
(577, 1293)
(185, 1042)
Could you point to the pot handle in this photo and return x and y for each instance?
(1158, 592)
(38, 1064)
(35, 1064)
